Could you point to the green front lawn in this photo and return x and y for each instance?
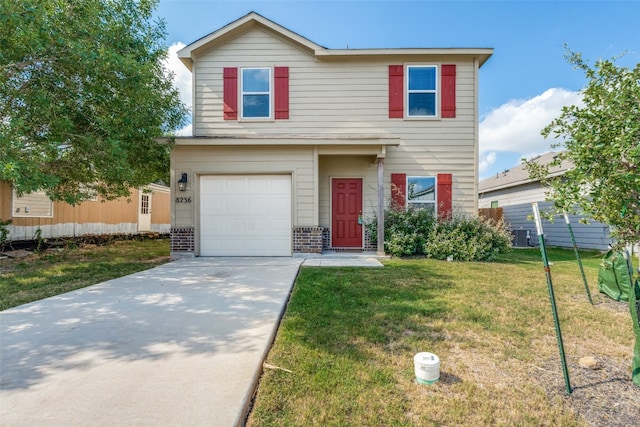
(54, 272)
(349, 336)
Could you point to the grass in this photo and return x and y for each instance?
(349, 336)
(52, 273)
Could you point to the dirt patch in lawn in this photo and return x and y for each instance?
(605, 396)
(602, 394)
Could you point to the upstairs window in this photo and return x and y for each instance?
(422, 87)
(256, 93)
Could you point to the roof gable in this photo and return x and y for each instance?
(246, 23)
(254, 20)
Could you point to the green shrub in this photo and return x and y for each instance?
(418, 232)
(467, 239)
(405, 232)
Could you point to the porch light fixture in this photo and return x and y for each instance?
(182, 182)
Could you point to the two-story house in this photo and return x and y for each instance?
(295, 146)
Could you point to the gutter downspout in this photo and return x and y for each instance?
(476, 142)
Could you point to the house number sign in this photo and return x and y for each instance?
(183, 199)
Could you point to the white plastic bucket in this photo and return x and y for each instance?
(427, 367)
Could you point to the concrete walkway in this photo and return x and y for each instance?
(181, 344)
(343, 259)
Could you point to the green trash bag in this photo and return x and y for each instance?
(614, 276)
(634, 306)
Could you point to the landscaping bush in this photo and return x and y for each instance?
(419, 232)
(467, 239)
(405, 232)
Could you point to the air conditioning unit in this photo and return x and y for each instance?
(521, 238)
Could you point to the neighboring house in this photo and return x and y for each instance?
(514, 192)
(295, 145)
(141, 212)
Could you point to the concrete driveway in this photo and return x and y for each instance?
(177, 345)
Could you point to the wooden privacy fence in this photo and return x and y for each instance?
(491, 213)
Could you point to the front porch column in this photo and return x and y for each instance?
(380, 213)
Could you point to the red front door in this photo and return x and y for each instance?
(346, 201)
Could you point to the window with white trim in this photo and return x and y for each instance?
(422, 88)
(421, 192)
(145, 203)
(255, 87)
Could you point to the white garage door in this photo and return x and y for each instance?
(245, 215)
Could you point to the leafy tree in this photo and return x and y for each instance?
(601, 139)
(84, 96)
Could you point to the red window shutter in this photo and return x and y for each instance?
(281, 92)
(396, 91)
(230, 97)
(448, 91)
(445, 182)
(398, 191)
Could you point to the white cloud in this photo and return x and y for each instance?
(512, 130)
(486, 161)
(516, 125)
(181, 74)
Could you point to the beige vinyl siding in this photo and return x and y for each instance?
(338, 124)
(347, 96)
(244, 160)
(335, 94)
(341, 91)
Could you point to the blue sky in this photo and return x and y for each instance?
(522, 87)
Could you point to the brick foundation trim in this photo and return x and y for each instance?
(369, 245)
(182, 240)
(307, 240)
(326, 238)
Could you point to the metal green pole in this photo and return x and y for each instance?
(547, 270)
(575, 248)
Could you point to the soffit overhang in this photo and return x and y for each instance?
(326, 144)
(279, 139)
